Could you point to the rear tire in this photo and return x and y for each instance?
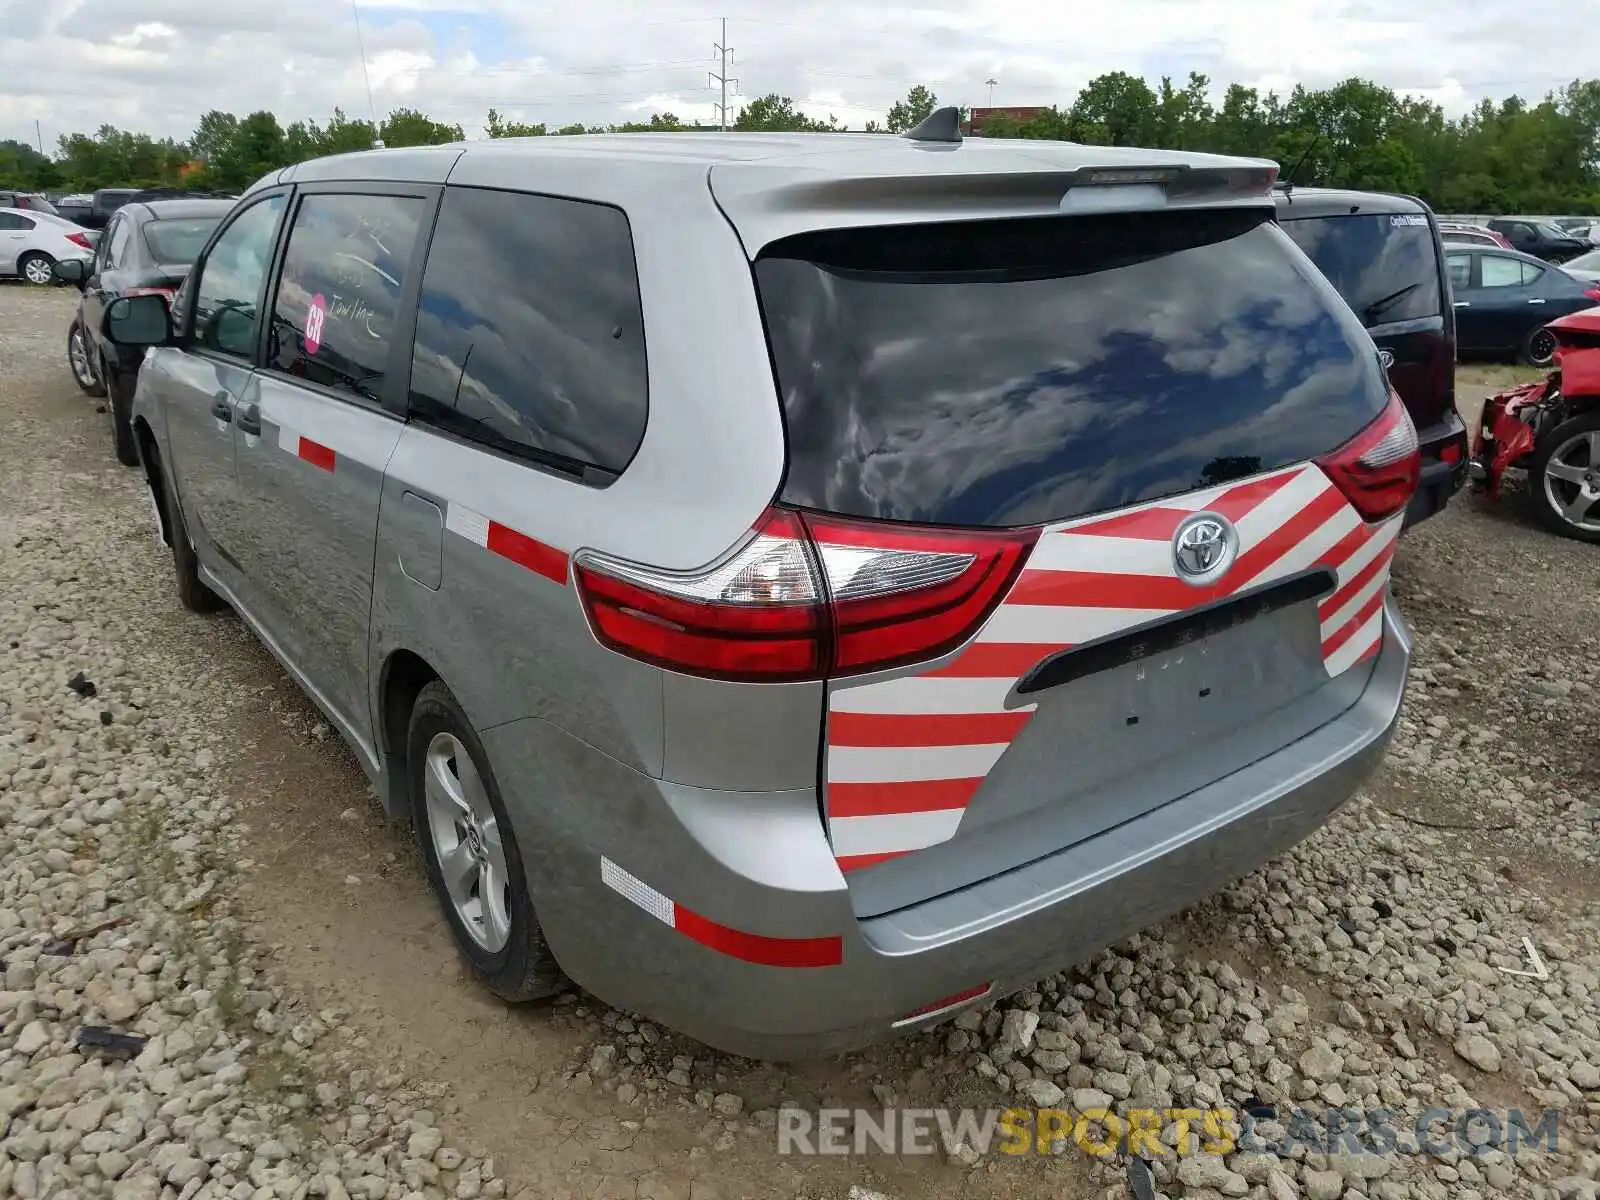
(1564, 469)
(192, 593)
(1538, 349)
(80, 360)
(120, 390)
(460, 821)
(34, 267)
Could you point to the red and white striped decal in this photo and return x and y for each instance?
(906, 755)
(508, 543)
(751, 947)
(318, 455)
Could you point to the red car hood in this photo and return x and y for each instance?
(1587, 321)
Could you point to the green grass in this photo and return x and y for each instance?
(1496, 375)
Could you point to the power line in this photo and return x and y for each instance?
(723, 50)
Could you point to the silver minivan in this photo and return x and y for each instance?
(798, 586)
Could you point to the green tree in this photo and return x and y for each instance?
(496, 126)
(913, 110)
(1115, 110)
(408, 127)
(777, 114)
(24, 168)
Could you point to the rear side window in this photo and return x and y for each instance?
(1385, 265)
(178, 239)
(530, 334)
(15, 221)
(340, 289)
(1020, 372)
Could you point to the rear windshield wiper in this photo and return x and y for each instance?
(1383, 302)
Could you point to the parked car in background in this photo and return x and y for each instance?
(1542, 239)
(78, 207)
(1551, 429)
(994, 621)
(1472, 235)
(1586, 267)
(1504, 299)
(1385, 255)
(146, 249)
(32, 242)
(1587, 228)
(27, 202)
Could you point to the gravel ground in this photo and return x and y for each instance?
(191, 860)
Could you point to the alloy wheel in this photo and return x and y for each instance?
(78, 357)
(1572, 481)
(466, 840)
(37, 271)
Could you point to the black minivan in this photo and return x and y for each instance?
(1385, 256)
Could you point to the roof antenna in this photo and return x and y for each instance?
(941, 125)
(1287, 183)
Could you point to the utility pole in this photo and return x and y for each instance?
(724, 52)
(989, 83)
(38, 135)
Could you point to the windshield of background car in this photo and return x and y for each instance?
(1385, 265)
(178, 239)
(993, 373)
(1546, 229)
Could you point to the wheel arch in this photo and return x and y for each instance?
(144, 438)
(402, 677)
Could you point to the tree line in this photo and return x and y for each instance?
(1513, 155)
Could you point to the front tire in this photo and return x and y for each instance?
(470, 851)
(192, 593)
(80, 362)
(1538, 349)
(1564, 478)
(34, 266)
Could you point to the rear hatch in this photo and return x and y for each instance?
(1112, 385)
(1387, 266)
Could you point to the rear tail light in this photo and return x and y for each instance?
(806, 597)
(1378, 470)
(165, 293)
(80, 239)
(1592, 292)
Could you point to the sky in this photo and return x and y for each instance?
(155, 65)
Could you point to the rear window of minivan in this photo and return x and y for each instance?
(1385, 265)
(1019, 372)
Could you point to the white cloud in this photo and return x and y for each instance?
(158, 64)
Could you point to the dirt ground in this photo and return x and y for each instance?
(338, 896)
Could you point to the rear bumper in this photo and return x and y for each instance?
(733, 882)
(1444, 468)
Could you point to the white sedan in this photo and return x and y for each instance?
(31, 243)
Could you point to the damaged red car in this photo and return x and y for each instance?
(1551, 429)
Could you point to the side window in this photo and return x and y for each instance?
(1530, 273)
(530, 333)
(225, 315)
(117, 250)
(340, 289)
(1460, 266)
(1499, 271)
(14, 222)
(1521, 231)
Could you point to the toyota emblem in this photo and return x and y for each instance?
(1204, 548)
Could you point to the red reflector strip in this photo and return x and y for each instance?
(735, 943)
(305, 449)
(972, 993)
(924, 729)
(1330, 645)
(317, 454)
(884, 799)
(508, 543)
(994, 660)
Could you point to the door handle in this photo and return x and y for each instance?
(221, 409)
(1463, 304)
(1536, 300)
(250, 419)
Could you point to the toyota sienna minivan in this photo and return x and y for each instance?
(798, 586)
